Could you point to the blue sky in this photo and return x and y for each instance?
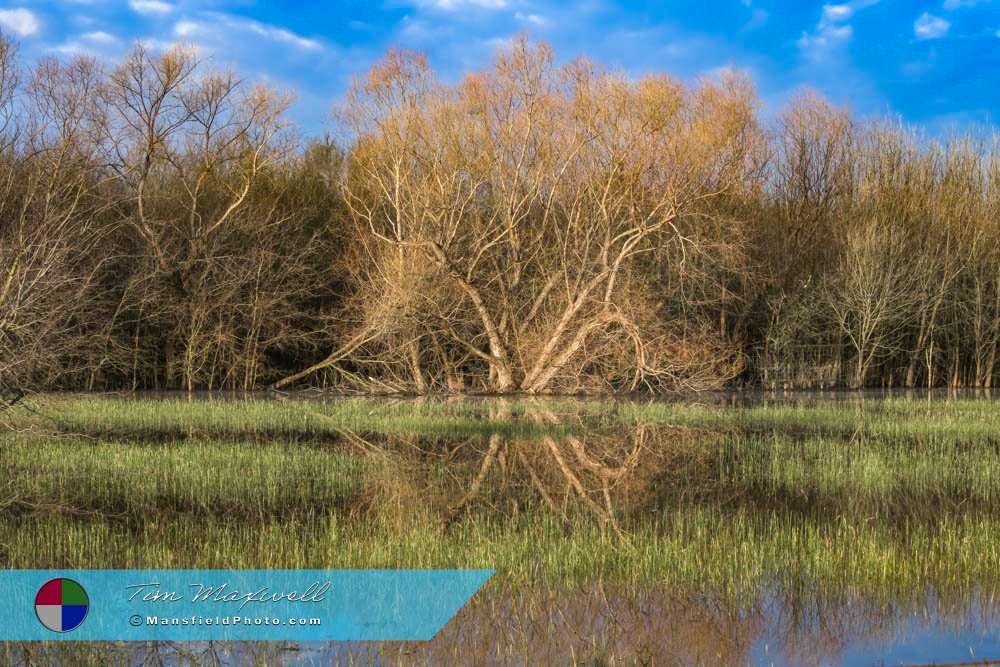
(933, 63)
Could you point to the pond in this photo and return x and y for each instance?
(718, 529)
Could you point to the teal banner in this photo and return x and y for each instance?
(180, 605)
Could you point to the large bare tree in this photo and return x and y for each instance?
(505, 218)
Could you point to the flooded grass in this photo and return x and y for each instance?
(884, 501)
(267, 420)
(699, 552)
(125, 480)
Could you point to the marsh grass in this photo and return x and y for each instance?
(267, 420)
(701, 552)
(886, 499)
(125, 480)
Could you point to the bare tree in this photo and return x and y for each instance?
(50, 214)
(533, 228)
(872, 292)
(526, 196)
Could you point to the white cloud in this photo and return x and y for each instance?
(70, 48)
(837, 13)
(97, 42)
(832, 30)
(188, 29)
(451, 5)
(533, 19)
(958, 4)
(185, 29)
(151, 7)
(100, 37)
(19, 21)
(281, 35)
(930, 27)
(818, 45)
(842, 12)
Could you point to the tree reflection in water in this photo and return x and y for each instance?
(594, 626)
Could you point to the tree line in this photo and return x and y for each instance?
(534, 227)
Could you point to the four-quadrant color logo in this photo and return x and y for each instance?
(61, 604)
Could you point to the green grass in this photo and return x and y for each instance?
(77, 476)
(269, 419)
(874, 471)
(849, 510)
(871, 494)
(701, 552)
(890, 418)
